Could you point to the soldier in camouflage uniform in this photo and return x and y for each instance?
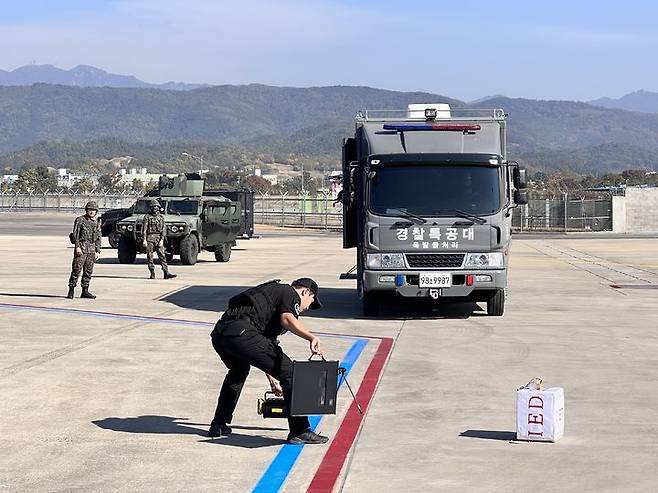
(153, 229)
(87, 239)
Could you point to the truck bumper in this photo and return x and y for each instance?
(405, 283)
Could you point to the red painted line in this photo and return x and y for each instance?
(334, 459)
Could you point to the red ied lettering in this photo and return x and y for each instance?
(541, 402)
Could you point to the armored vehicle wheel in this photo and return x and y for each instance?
(496, 303)
(371, 303)
(113, 239)
(127, 250)
(189, 250)
(223, 252)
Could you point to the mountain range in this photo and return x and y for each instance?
(81, 76)
(644, 101)
(308, 122)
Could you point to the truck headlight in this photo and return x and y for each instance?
(485, 260)
(123, 227)
(130, 227)
(174, 229)
(384, 260)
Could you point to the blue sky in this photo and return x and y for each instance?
(462, 49)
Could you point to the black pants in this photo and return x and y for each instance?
(239, 353)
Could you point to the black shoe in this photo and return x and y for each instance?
(87, 294)
(70, 294)
(169, 276)
(152, 275)
(220, 430)
(308, 437)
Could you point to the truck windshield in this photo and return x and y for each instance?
(183, 207)
(435, 190)
(144, 206)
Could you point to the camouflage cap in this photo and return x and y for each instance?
(154, 203)
(91, 205)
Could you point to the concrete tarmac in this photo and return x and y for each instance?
(116, 394)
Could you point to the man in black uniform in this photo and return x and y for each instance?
(246, 336)
(86, 237)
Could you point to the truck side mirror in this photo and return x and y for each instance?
(520, 197)
(519, 177)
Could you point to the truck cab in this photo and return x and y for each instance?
(427, 200)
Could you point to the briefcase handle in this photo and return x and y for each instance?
(321, 356)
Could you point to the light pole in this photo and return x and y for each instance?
(199, 159)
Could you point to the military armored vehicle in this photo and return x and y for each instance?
(194, 222)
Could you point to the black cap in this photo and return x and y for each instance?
(309, 283)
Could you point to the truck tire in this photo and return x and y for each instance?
(113, 239)
(371, 304)
(223, 252)
(496, 303)
(127, 250)
(189, 250)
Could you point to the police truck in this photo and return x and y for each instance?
(427, 197)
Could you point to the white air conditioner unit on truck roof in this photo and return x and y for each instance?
(416, 111)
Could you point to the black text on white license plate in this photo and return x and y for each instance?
(434, 280)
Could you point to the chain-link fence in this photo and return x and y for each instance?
(66, 201)
(322, 211)
(564, 214)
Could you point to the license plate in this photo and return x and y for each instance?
(434, 280)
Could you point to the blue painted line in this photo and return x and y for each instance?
(275, 475)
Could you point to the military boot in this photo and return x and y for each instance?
(87, 294)
(168, 275)
(70, 294)
(152, 276)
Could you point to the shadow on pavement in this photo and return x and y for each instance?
(28, 295)
(338, 303)
(490, 435)
(102, 276)
(151, 424)
(169, 425)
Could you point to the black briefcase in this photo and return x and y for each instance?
(314, 387)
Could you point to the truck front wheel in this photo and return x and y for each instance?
(113, 239)
(223, 252)
(127, 250)
(189, 250)
(496, 303)
(371, 304)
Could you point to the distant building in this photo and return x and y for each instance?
(127, 177)
(9, 179)
(335, 183)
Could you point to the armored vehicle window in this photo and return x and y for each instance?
(435, 190)
(220, 210)
(144, 206)
(183, 207)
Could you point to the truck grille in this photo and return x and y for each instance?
(434, 260)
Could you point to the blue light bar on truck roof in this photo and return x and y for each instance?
(425, 127)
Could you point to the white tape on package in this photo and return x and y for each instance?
(540, 414)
